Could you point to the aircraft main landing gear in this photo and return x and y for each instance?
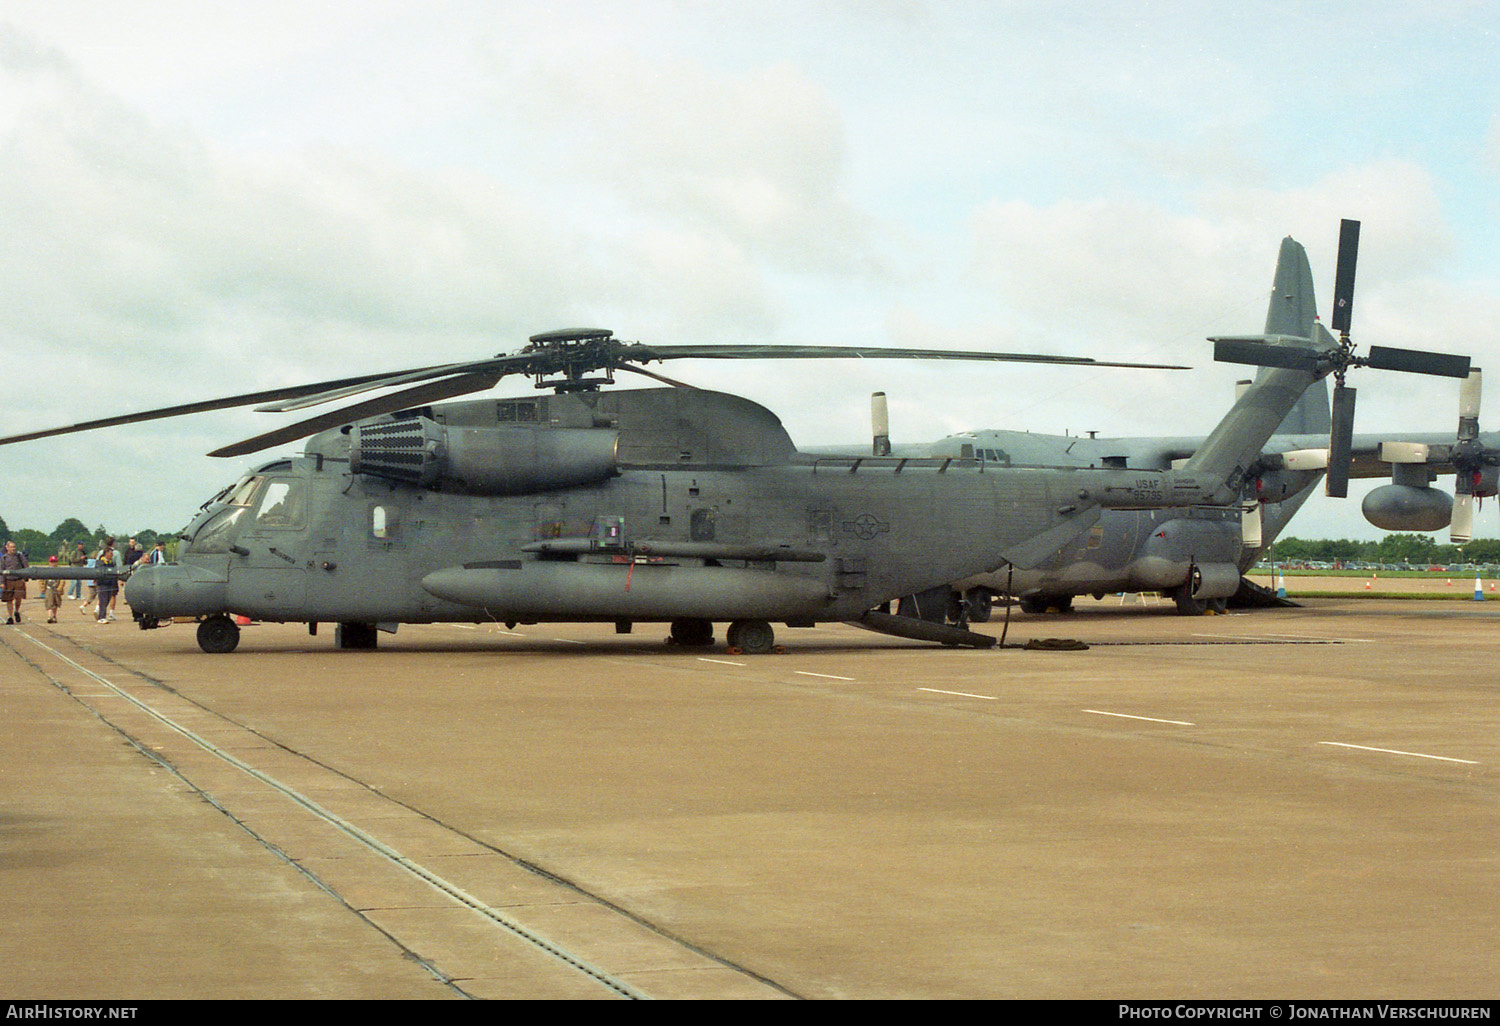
(1186, 604)
(752, 637)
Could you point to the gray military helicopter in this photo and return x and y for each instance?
(1197, 555)
(673, 505)
(665, 504)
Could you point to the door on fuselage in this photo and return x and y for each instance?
(271, 580)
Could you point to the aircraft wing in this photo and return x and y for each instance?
(1365, 449)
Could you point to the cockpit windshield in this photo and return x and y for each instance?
(217, 530)
(244, 492)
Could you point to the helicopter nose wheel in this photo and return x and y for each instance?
(218, 634)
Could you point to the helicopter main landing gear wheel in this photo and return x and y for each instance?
(218, 634)
(751, 637)
(1186, 604)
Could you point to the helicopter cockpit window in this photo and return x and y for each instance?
(216, 534)
(282, 504)
(243, 492)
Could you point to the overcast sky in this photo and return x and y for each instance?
(201, 198)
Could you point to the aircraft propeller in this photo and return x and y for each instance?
(1263, 351)
(562, 360)
(1474, 466)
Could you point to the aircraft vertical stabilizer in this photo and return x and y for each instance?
(1286, 397)
(1293, 313)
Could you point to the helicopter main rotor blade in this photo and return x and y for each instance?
(655, 376)
(645, 353)
(430, 392)
(502, 365)
(206, 406)
(571, 353)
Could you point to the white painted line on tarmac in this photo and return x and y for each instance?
(721, 662)
(570, 641)
(1393, 751)
(960, 694)
(1271, 638)
(825, 676)
(1148, 719)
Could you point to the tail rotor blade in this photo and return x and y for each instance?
(1340, 442)
(1343, 282)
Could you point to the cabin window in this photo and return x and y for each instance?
(385, 523)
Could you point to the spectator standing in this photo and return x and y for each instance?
(52, 594)
(13, 588)
(109, 561)
(80, 557)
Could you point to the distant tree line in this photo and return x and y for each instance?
(1393, 548)
(66, 536)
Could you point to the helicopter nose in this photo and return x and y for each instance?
(174, 589)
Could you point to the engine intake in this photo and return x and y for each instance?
(507, 460)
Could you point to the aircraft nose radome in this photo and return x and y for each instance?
(141, 590)
(175, 590)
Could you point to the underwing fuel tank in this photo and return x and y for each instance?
(176, 589)
(1395, 507)
(628, 590)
